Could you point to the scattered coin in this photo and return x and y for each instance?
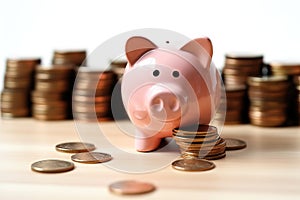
(193, 165)
(91, 157)
(131, 187)
(234, 144)
(52, 166)
(75, 147)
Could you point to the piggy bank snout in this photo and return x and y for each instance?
(165, 106)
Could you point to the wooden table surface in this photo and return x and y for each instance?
(269, 168)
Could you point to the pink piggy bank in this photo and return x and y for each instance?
(167, 88)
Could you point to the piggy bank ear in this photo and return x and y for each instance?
(204, 54)
(136, 47)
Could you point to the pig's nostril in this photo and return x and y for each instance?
(157, 104)
(140, 114)
(174, 105)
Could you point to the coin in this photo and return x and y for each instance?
(91, 104)
(75, 147)
(193, 165)
(234, 144)
(74, 57)
(238, 66)
(285, 68)
(91, 157)
(215, 156)
(52, 166)
(131, 187)
(200, 129)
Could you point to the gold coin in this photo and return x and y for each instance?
(52, 166)
(75, 147)
(193, 165)
(91, 157)
(131, 187)
(235, 144)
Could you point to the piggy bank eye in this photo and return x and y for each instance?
(175, 74)
(156, 73)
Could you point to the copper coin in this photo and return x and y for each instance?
(15, 113)
(52, 166)
(91, 157)
(216, 156)
(75, 147)
(193, 165)
(234, 144)
(48, 117)
(131, 187)
(195, 129)
(92, 74)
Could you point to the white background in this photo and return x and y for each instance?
(36, 27)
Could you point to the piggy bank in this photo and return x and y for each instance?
(165, 88)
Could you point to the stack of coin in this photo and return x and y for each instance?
(118, 66)
(18, 82)
(290, 69)
(285, 68)
(268, 100)
(200, 141)
(69, 57)
(236, 104)
(52, 95)
(297, 84)
(239, 66)
(92, 94)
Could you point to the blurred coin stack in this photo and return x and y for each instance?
(118, 66)
(92, 94)
(200, 141)
(292, 70)
(236, 104)
(52, 95)
(297, 84)
(69, 57)
(268, 100)
(18, 82)
(239, 66)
